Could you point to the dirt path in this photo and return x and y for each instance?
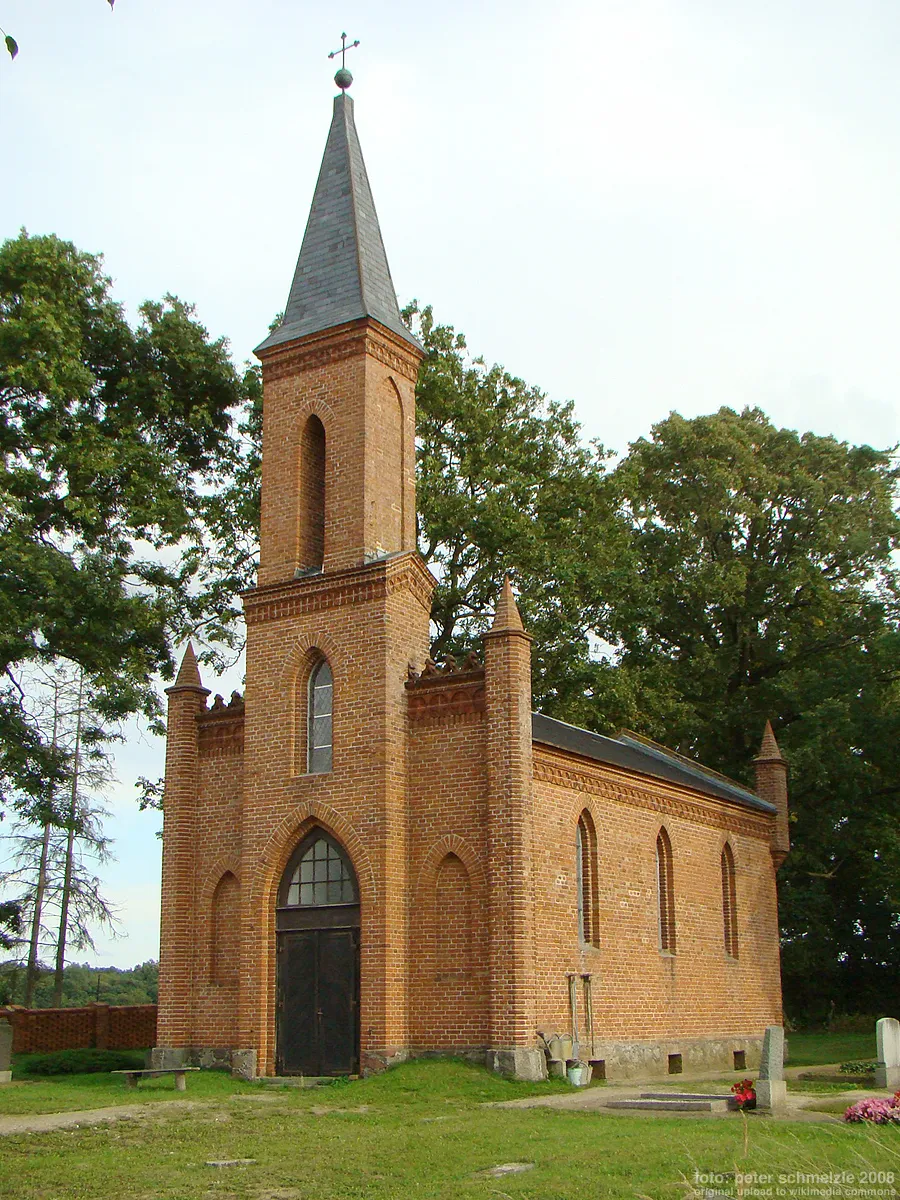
(48, 1122)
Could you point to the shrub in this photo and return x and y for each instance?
(79, 1062)
(858, 1068)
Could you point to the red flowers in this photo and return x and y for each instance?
(744, 1093)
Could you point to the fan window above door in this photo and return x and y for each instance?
(322, 876)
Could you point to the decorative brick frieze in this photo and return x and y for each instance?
(647, 792)
(449, 690)
(451, 699)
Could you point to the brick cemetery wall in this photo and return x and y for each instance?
(100, 1026)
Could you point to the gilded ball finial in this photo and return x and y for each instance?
(343, 78)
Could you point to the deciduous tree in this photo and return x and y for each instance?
(507, 484)
(766, 588)
(109, 438)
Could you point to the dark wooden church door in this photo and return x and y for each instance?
(318, 971)
(317, 922)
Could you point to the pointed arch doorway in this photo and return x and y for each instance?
(317, 931)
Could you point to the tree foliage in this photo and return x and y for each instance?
(507, 485)
(765, 587)
(83, 984)
(51, 871)
(109, 438)
(724, 573)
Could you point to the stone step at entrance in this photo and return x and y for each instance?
(301, 1081)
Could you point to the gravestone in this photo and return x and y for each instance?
(887, 1039)
(771, 1090)
(6, 1036)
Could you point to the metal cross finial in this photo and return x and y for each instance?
(343, 50)
(343, 78)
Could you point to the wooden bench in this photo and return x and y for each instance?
(132, 1077)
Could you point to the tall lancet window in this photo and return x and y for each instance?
(665, 893)
(586, 880)
(321, 691)
(729, 902)
(311, 531)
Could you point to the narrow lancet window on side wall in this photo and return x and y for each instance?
(579, 875)
(321, 691)
(586, 877)
(666, 893)
(729, 902)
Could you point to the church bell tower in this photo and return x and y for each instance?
(339, 374)
(340, 613)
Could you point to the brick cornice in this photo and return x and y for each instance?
(334, 589)
(354, 339)
(656, 795)
(493, 634)
(178, 689)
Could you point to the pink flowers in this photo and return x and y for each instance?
(877, 1110)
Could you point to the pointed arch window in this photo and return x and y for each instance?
(311, 531)
(320, 875)
(320, 724)
(729, 902)
(586, 879)
(665, 888)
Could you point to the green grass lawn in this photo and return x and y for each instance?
(420, 1130)
(68, 1093)
(816, 1049)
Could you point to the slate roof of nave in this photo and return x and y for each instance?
(633, 754)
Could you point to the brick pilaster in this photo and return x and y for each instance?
(771, 785)
(510, 826)
(187, 698)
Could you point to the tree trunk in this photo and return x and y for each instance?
(70, 850)
(33, 969)
(31, 973)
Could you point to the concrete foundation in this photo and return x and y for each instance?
(243, 1064)
(519, 1063)
(694, 1056)
(165, 1058)
(613, 1060)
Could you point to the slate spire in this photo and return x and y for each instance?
(342, 273)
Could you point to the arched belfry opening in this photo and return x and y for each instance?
(311, 493)
(317, 921)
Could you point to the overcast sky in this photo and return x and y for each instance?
(640, 205)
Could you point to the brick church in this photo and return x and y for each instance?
(370, 857)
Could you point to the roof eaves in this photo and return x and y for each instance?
(631, 755)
